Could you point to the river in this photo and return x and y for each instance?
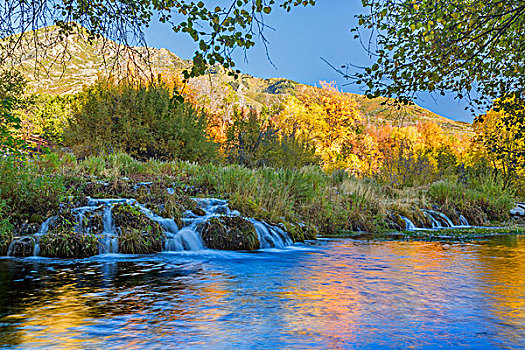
(329, 294)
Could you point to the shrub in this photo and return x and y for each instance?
(481, 198)
(29, 190)
(144, 121)
(138, 234)
(6, 229)
(63, 242)
(253, 142)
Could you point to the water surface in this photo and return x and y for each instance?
(328, 294)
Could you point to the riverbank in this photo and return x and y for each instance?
(456, 234)
(302, 202)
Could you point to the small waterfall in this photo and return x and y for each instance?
(438, 219)
(271, 236)
(435, 223)
(463, 221)
(186, 237)
(43, 230)
(409, 224)
(21, 246)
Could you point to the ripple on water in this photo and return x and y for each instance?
(329, 294)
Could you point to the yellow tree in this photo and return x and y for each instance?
(330, 120)
(500, 138)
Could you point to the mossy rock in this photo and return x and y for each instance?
(198, 212)
(138, 234)
(166, 204)
(5, 241)
(299, 232)
(229, 233)
(63, 242)
(22, 246)
(110, 189)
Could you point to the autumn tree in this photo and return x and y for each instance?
(328, 119)
(500, 135)
(473, 49)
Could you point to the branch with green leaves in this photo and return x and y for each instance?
(218, 29)
(472, 48)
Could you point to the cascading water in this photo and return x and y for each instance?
(437, 220)
(177, 239)
(43, 230)
(409, 224)
(435, 223)
(463, 221)
(271, 236)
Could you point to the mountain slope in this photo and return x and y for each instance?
(66, 66)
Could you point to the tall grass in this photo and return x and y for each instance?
(333, 202)
(483, 197)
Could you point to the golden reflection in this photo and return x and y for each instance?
(502, 271)
(59, 318)
(64, 315)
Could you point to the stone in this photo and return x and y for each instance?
(229, 233)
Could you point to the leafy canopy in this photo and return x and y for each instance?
(143, 120)
(472, 48)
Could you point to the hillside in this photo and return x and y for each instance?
(68, 65)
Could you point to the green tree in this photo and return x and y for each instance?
(472, 48)
(143, 120)
(12, 89)
(253, 141)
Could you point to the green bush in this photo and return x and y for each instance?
(63, 242)
(6, 229)
(138, 234)
(30, 189)
(144, 121)
(481, 198)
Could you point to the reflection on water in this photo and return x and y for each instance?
(333, 294)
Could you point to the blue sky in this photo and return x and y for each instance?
(297, 44)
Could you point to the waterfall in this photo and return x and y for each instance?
(437, 219)
(435, 223)
(42, 231)
(184, 238)
(271, 236)
(188, 238)
(409, 224)
(463, 221)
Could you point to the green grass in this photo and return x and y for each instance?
(480, 200)
(329, 203)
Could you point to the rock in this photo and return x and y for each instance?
(299, 232)
(138, 233)
(518, 210)
(229, 233)
(198, 212)
(22, 246)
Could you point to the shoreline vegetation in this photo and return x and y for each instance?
(323, 204)
(142, 152)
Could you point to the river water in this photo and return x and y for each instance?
(329, 294)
